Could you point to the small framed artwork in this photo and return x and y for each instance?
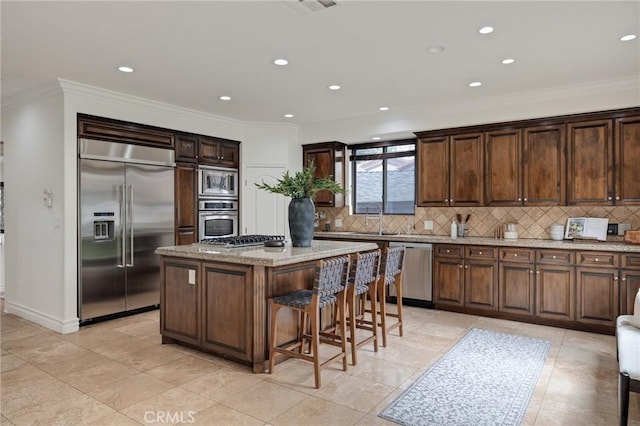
(586, 228)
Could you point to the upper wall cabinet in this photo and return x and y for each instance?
(627, 151)
(590, 163)
(218, 152)
(186, 148)
(543, 171)
(450, 170)
(503, 170)
(329, 160)
(106, 129)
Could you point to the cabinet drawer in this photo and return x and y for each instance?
(449, 251)
(481, 252)
(517, 254)
(598, 258)
(630, 261)
(555, 257)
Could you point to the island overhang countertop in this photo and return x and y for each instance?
(267, 256)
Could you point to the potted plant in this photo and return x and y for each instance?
(301, 187)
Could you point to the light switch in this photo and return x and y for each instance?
(192, 276)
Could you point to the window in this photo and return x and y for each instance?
(384, 177)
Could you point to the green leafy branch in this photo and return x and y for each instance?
(302, 184)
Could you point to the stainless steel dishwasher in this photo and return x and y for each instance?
(416, 275)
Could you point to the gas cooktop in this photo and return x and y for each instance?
(241, 240)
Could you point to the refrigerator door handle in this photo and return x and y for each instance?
(130, 219)
(123, 201)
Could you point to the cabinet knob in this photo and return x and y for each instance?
(596, 259)
(466, 266)
(624, 279)
(480, 253)
(530, 272)
(451, 200)
(448, 251)
(515, 254)
(617, 198)
(525, 198)
(609, 198)
(615, 278)
(537, 272)
(460, 266)
(446, 200)
(519, 198)
(553, 257)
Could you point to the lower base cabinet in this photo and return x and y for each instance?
(629, 287)
(481, 285)
(448, 284)
(597, 301)
(180, 319)
(517, 288)
(555, 293)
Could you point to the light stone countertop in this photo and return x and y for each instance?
(483, 241)
(267, 256)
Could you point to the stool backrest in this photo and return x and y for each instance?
(366, 268)
(331, 276)
(392, 262)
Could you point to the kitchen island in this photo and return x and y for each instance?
(215, 299)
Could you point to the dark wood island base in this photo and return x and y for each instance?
(215, 300)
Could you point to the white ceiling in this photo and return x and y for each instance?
(190, 53)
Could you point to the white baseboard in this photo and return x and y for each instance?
(45, 320)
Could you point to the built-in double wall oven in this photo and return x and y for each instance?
(218, 202)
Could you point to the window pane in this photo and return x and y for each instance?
(400, 185)
(367, 151)
(368, 186)
(401, 148)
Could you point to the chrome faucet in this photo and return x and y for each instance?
(379, 217)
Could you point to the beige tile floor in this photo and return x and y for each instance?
(118, 373)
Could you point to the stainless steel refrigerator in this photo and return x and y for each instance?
(126, 211)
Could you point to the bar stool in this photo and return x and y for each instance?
(329, 287)
(363, 279)
(391, 273)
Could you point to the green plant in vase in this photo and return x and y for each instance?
(301, 187)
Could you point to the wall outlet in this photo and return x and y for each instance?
(338, 223)
(428, 225)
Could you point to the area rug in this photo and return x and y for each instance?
(487, 378)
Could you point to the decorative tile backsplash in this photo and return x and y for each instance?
(533, 222)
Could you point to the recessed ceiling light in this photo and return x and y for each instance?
(383, 108)
(288, 116)
(508, 61)
(628, 37)
(475, 84)
(334, 87)
(125, 69)
(376, 138)
(225, 98)
(485, 30)
(281, 62)
(434, 49)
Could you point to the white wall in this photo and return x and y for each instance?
(34, 252)
(41, 265)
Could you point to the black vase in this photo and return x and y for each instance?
(302, 217)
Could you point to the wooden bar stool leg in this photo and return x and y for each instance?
(272, 339)
(382, 300)
(398, 284)
(343, 329)
(351, 304)
(374, 315)
(315, 344)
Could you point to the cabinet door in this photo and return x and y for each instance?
(448, 281)
(516, 288)
(324, 162)
(544, 166)
(629, 286)
(229, 153)
(481, 285)
(590, 163)
(208, 151)
(186, 195)
(465, 170)
(227, 316)
(180, 298)
(597, 301)
(555, 292)
(186, 148)
(627, 168)
(503, 176)
(433, 172)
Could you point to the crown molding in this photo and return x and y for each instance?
(33, 94)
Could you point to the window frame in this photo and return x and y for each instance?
(384, 156)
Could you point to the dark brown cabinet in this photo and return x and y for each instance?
(590, 163)
(186, 211)
(450, 170)
(503, 168)
(516, 281)
(448, 281)
(228, 307)
(329, 159)
(597, 298)
(218, 152)
(180, 319)
(629, 282)
(186, 148)
(555, 292)
(627, 152)
(543, 172)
